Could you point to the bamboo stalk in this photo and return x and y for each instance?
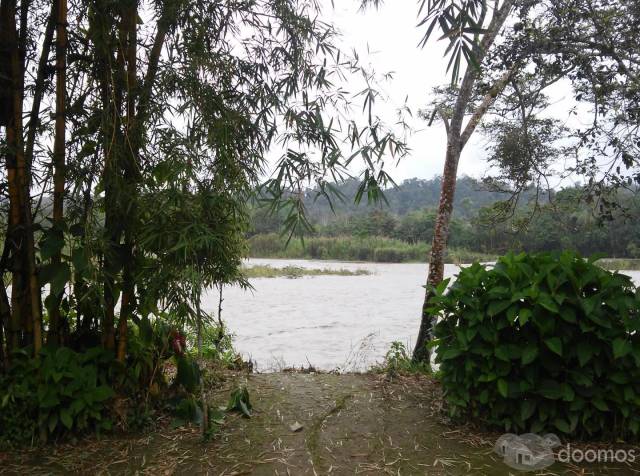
(59, 174)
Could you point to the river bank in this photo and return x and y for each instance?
(348, 248)
(378, 249)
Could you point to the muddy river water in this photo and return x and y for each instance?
(330, 322)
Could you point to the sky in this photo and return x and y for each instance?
(388, 39)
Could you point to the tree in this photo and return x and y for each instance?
(486, 29)
(588, 42)
(168, 120)
(59, 158)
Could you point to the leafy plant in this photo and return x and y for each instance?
(397, 360)
(217, 344)
(239, 401)
(541, 342)
(188, 375)
(58, 392)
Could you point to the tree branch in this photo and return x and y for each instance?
(486, 103)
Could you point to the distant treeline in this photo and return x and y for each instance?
(345, 248)
(402, 230)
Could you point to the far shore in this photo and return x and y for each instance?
(612, 264)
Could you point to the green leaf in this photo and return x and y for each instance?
(239, 401)
(65, 418)
(527, 408)
(52, 422)
(49, 400)
(51, 244)
(245, 409)
(490, 377)
(80, 259)
(545, 301)
(450, 354)
(188, 374)
(585, 351)
(620, 377)
(555, 344)
(600, 404)
(551, 389)
(568, 314)
(529, 354)
(503, 387)
(621, 347)
(502, 352)
(496, 307)
(562, 425)
(57, 275)
(567, 392)
(524, 315)
(102, 393)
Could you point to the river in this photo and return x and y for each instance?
(329, 322)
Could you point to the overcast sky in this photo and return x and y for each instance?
(391, 36)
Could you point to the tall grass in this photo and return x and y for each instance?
(347, 248)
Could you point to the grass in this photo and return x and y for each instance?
(266, 271)
(347, 248)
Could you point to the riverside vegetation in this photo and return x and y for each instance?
(401, 231)
(135, 136)
(267, 271)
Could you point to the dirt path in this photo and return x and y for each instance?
(352, 424)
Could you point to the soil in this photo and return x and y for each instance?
(351, 424)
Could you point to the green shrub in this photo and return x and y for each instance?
(59, 392)
(542, 343)
(398, 361)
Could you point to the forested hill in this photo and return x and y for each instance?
(410, 195)
(565, 222)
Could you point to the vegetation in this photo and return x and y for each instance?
(398, 361)
(267, 271)
(541, 343)
(514, 51)
(478, 231)
(345, 248)
(136, 138)
(161, 131)
(61, 392)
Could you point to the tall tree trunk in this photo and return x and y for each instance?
(5, 315)
(59, 158)
(439, 244)
(131, 150)
(199, 336)
(26, 306)
(101, 25)
(456, 140)
(5, 307)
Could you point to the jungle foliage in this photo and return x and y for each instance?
(164, 117)
(541, 342)
(482, 225)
